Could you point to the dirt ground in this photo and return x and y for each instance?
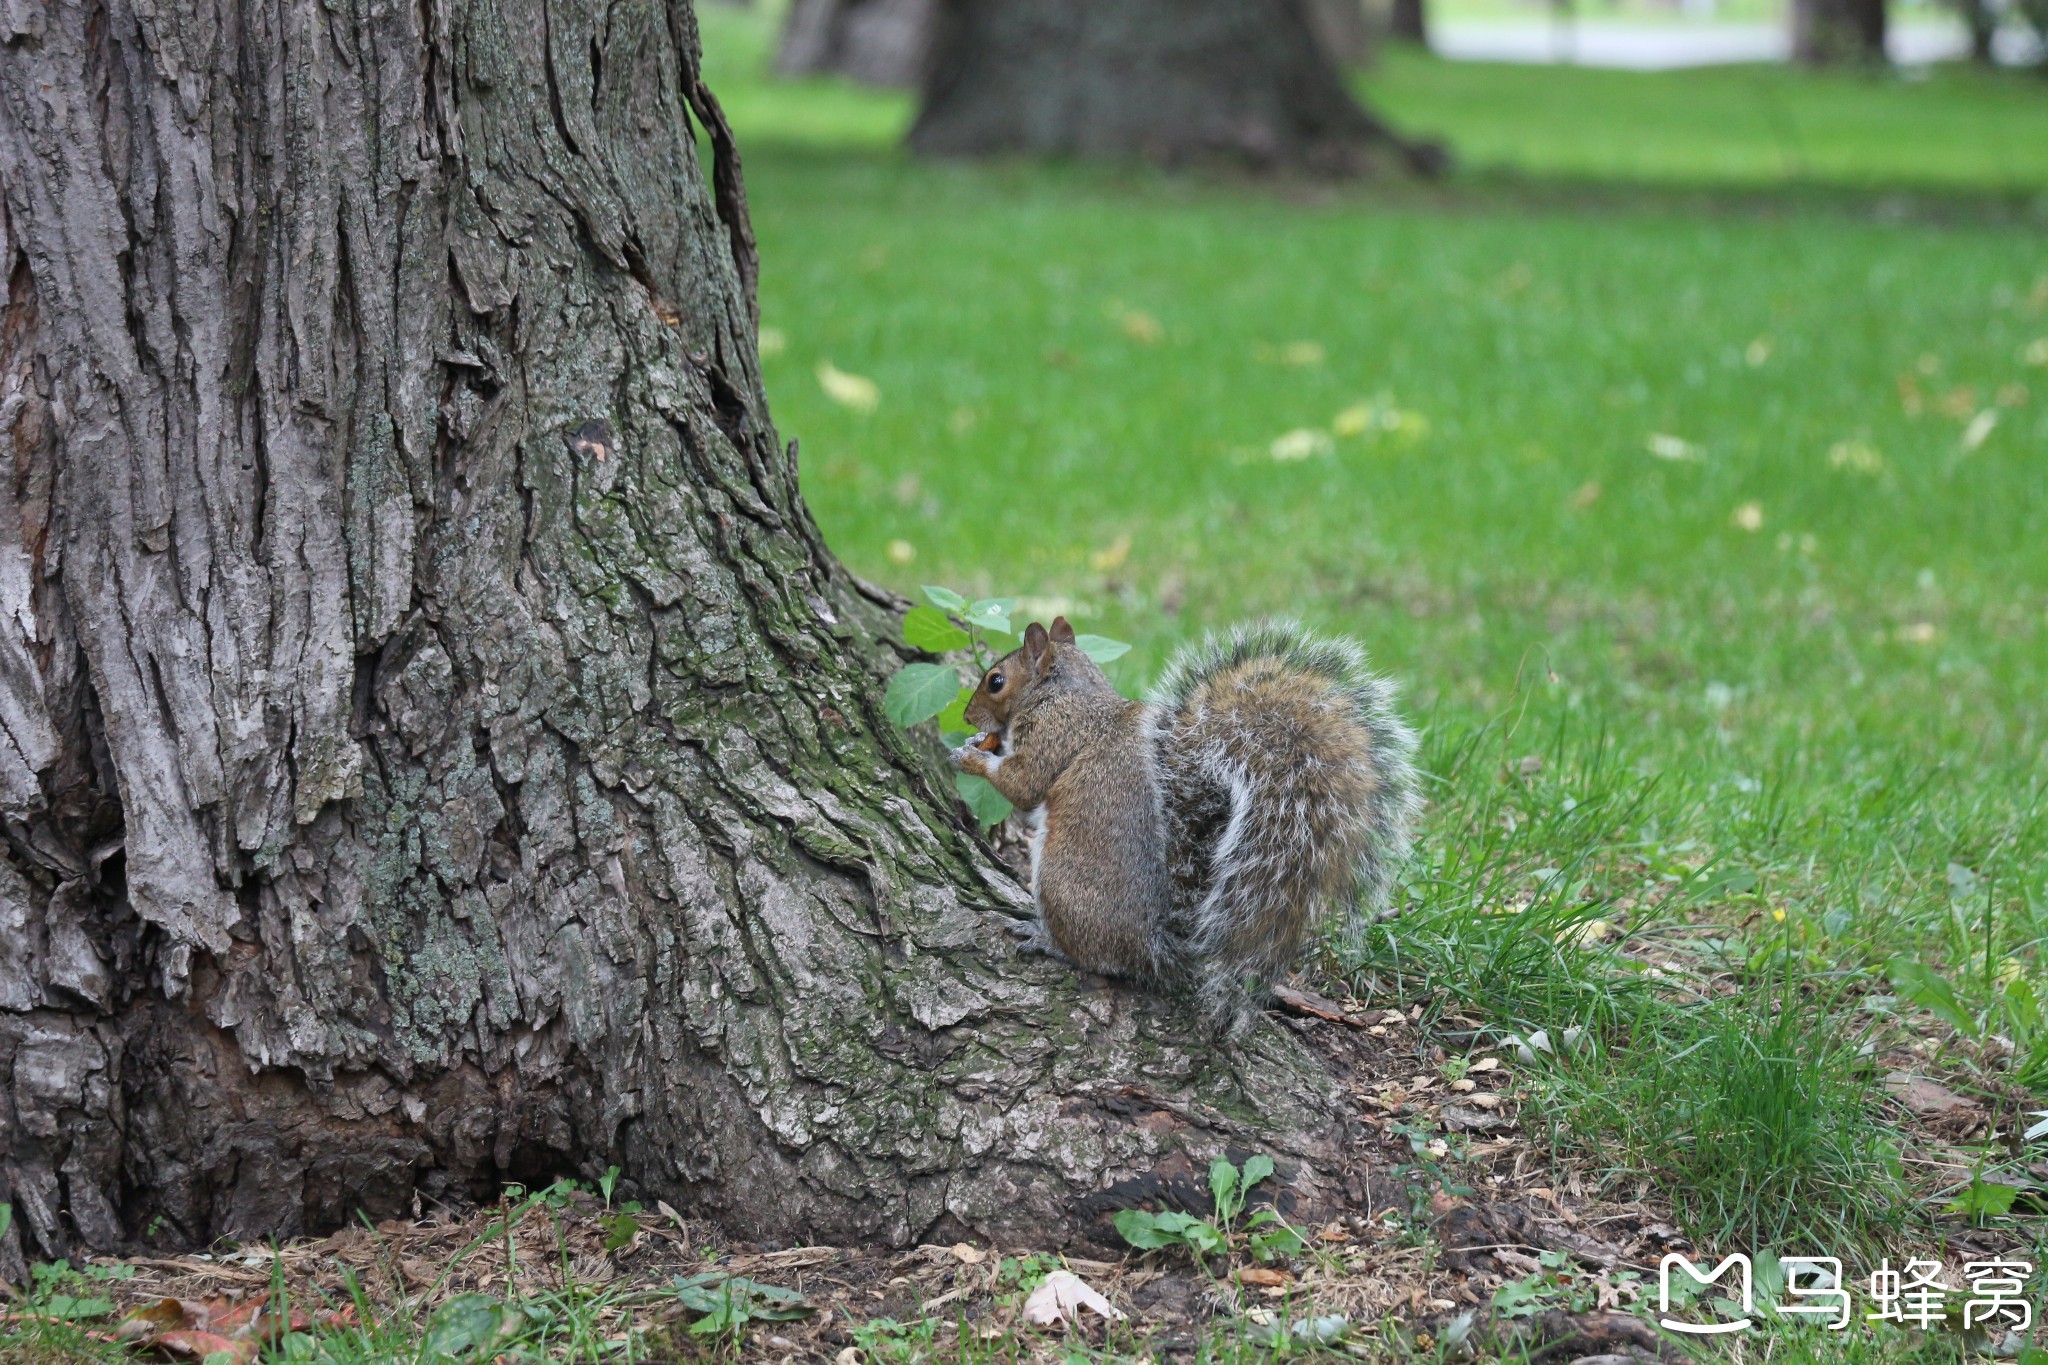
(1459, 1199)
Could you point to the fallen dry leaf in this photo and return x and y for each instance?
(1924, 1097)
(1061, 1298)
(853, 391)
(1141, 327)
(1300, 444)
(1266, 1277)
(191, 1344)
(151, 1318)
(1665, 446)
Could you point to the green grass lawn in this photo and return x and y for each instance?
(1683, 456)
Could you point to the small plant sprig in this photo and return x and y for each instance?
(922, 692)
(1266, 1235)
(727, 1303)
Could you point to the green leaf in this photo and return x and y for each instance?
(930, 629)
(1519, 1298)
(71, 1308)
(467, 1322)
(1101, 648)
(1984, 1199)
(2032, 1355)
(1281, 1241)
(2022, 1006)
(945, 599)
(1918, 983)
(619, 1230)
(990, 807)
(1143, 1231)
(1257, 1169)
(953, 726)
(1768, 1275)
(1150, 1231)
(1223, 1188)
(920, 691)
(990, 613)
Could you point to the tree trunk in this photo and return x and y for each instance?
(1980, 21)
(1408, 22)
(438, 749)
(1342, 29)
(888, 42)
(876, 42)
(1171, 81)
(1836, 32)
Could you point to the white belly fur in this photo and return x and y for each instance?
(1035, 820)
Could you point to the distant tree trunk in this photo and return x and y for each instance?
(876, 42)
(1409, 22)
(888, 42)
(437, 748)
(2035, 12)
(1838, 32)
(1172, 81)
(1342, 29)
(1980, 21)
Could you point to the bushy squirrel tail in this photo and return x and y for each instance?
(1290, 789)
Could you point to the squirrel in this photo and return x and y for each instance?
(1195, 839)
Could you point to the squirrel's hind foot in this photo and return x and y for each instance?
(1033, 940)
(1227, 1007)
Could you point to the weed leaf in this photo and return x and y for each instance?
(928, 628)
(920, 691)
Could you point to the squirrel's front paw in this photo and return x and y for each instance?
(978, 755)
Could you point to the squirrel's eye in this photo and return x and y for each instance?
(996, 680)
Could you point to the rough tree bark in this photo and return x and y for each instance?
(1167, 80)
(437, 747)
(1837, 32)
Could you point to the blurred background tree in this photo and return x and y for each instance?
(885, 42)
(1825, 32)
(1254, 81)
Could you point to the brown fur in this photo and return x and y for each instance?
(1071, 744)
(1202, 836)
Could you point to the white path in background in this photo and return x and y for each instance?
(1660, 47)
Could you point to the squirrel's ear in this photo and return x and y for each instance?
(1062, 633)
(1037, 645)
